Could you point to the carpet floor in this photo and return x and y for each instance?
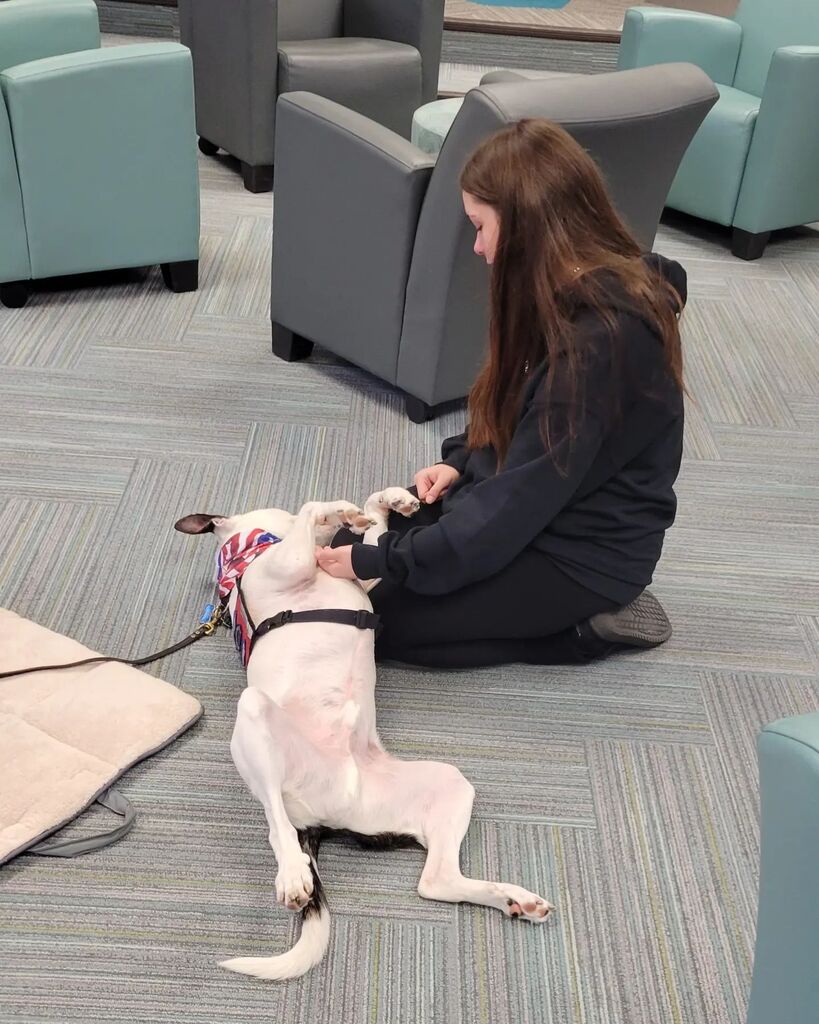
(624, 791)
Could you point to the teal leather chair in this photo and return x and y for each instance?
(785, 986)
(98, 166)
(754, 164)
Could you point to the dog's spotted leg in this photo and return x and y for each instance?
(445, 825)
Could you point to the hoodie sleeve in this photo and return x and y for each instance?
(493, 523)
(454, 451)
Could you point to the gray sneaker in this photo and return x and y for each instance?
(643, 623)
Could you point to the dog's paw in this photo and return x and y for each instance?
(395, 499)
(522, 903)
(342, 513)
(294, 882)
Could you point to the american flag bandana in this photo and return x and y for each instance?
(232, 560)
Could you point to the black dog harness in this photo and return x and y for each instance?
(245, 638)
(232, 560)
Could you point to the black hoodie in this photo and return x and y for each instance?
(601, 515)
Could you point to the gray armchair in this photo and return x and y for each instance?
(377, 57)
(374, 262)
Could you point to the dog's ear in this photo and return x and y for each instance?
(198, 522)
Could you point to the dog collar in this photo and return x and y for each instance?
(236, 554)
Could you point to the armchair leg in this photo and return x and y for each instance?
(748, 246)
(182, 276)
(258, 178)
(289, 346)
(14, 294)
(418, 411)
(207, 147)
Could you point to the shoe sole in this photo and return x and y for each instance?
(642, 624)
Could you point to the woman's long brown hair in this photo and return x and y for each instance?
(555, 216)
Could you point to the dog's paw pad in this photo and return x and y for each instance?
(528, 905)
(406, 508)
(398, 499)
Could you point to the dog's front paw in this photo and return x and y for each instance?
(353, 518)
(395, 499)
(342, 513)
(294, 881)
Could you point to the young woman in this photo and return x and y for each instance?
(543, 523)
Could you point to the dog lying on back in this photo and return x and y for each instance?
(305, 739)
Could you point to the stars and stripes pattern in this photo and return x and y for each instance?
(236, 554)
(232, 560)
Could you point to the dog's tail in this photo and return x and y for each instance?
(315, 930)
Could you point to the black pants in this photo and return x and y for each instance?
(524, 613)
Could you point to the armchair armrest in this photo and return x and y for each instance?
(657, 35)
(234, 44)
(419, 23)
(31, 29)
(348, 196)
(780, 187)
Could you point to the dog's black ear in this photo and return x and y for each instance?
(199, 522)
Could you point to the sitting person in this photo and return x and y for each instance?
(542, 525)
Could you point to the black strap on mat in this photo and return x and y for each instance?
(114, 801)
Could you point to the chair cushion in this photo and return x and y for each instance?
(710, 176)
(375, 77)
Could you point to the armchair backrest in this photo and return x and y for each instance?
(310, 19)
(33, 29)
(636, 124)
(767, 25)
(418, 23)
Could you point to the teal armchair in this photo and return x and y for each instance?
(754, 164)
(785, 985)
(98, 166)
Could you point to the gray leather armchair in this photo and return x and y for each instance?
(378, 57)
(374, 261)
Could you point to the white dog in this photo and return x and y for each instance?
(305, 739)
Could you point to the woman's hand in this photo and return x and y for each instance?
(434, 481)
(337, 562)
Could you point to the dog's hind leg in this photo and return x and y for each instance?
(296, 555)
(259, 747)
(445, 820)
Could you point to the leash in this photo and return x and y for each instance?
(232, 560)
(208, 623)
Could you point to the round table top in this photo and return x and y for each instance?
(431, 123)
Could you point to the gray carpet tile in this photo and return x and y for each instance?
(624, 791)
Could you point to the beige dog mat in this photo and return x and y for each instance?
(66, 736)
